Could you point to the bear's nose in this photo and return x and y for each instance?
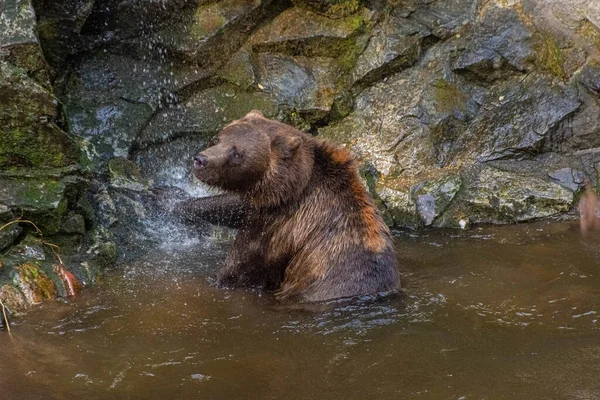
(200, 161)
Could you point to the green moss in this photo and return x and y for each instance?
(551, 57)
(448, 97)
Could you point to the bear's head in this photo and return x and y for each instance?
(257, 156)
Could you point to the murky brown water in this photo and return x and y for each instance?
(494, 313)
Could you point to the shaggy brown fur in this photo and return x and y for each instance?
(311, 231)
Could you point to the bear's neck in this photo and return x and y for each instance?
(286, 180)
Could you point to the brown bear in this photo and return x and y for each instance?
(308, 229)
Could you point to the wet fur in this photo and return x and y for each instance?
(311, 232)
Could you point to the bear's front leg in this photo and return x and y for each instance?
(246, 264)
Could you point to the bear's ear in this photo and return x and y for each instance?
(286, 145)
(294, 143)
(255, 113)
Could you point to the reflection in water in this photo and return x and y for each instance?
(508, 312)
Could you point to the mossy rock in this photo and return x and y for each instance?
(42, 201)
(34, 283)
(29, 136)
(126, 174)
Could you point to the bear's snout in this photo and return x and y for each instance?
(200, 161)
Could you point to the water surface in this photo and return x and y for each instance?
(492, 313)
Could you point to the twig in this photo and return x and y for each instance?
(4, 316)
(18, 221)
(55, 248)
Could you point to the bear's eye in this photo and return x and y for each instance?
(235, 153)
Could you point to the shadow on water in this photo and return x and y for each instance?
(504, 312)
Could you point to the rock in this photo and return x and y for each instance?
(102, 251)
(518, 116)
(13, 299)
(204, 114)
(412, 122)
(10, 232)
(400, 206)
(305, 85)
(298, 31)
(332, 9)
(590, 77)
(497, 46)
(434, 196)
(395, 44)
(106, 211)
(239, 70)
(125, 174)
(73, 224)
(223, 25)
(130, 17)
(42, 201)
(59, 24)
(18, 42)
(580, 130)
(8, 235)
(498, 196)
(568, 178)
(170, 163)
(29, 135)
(443, 18)
(34, 283)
